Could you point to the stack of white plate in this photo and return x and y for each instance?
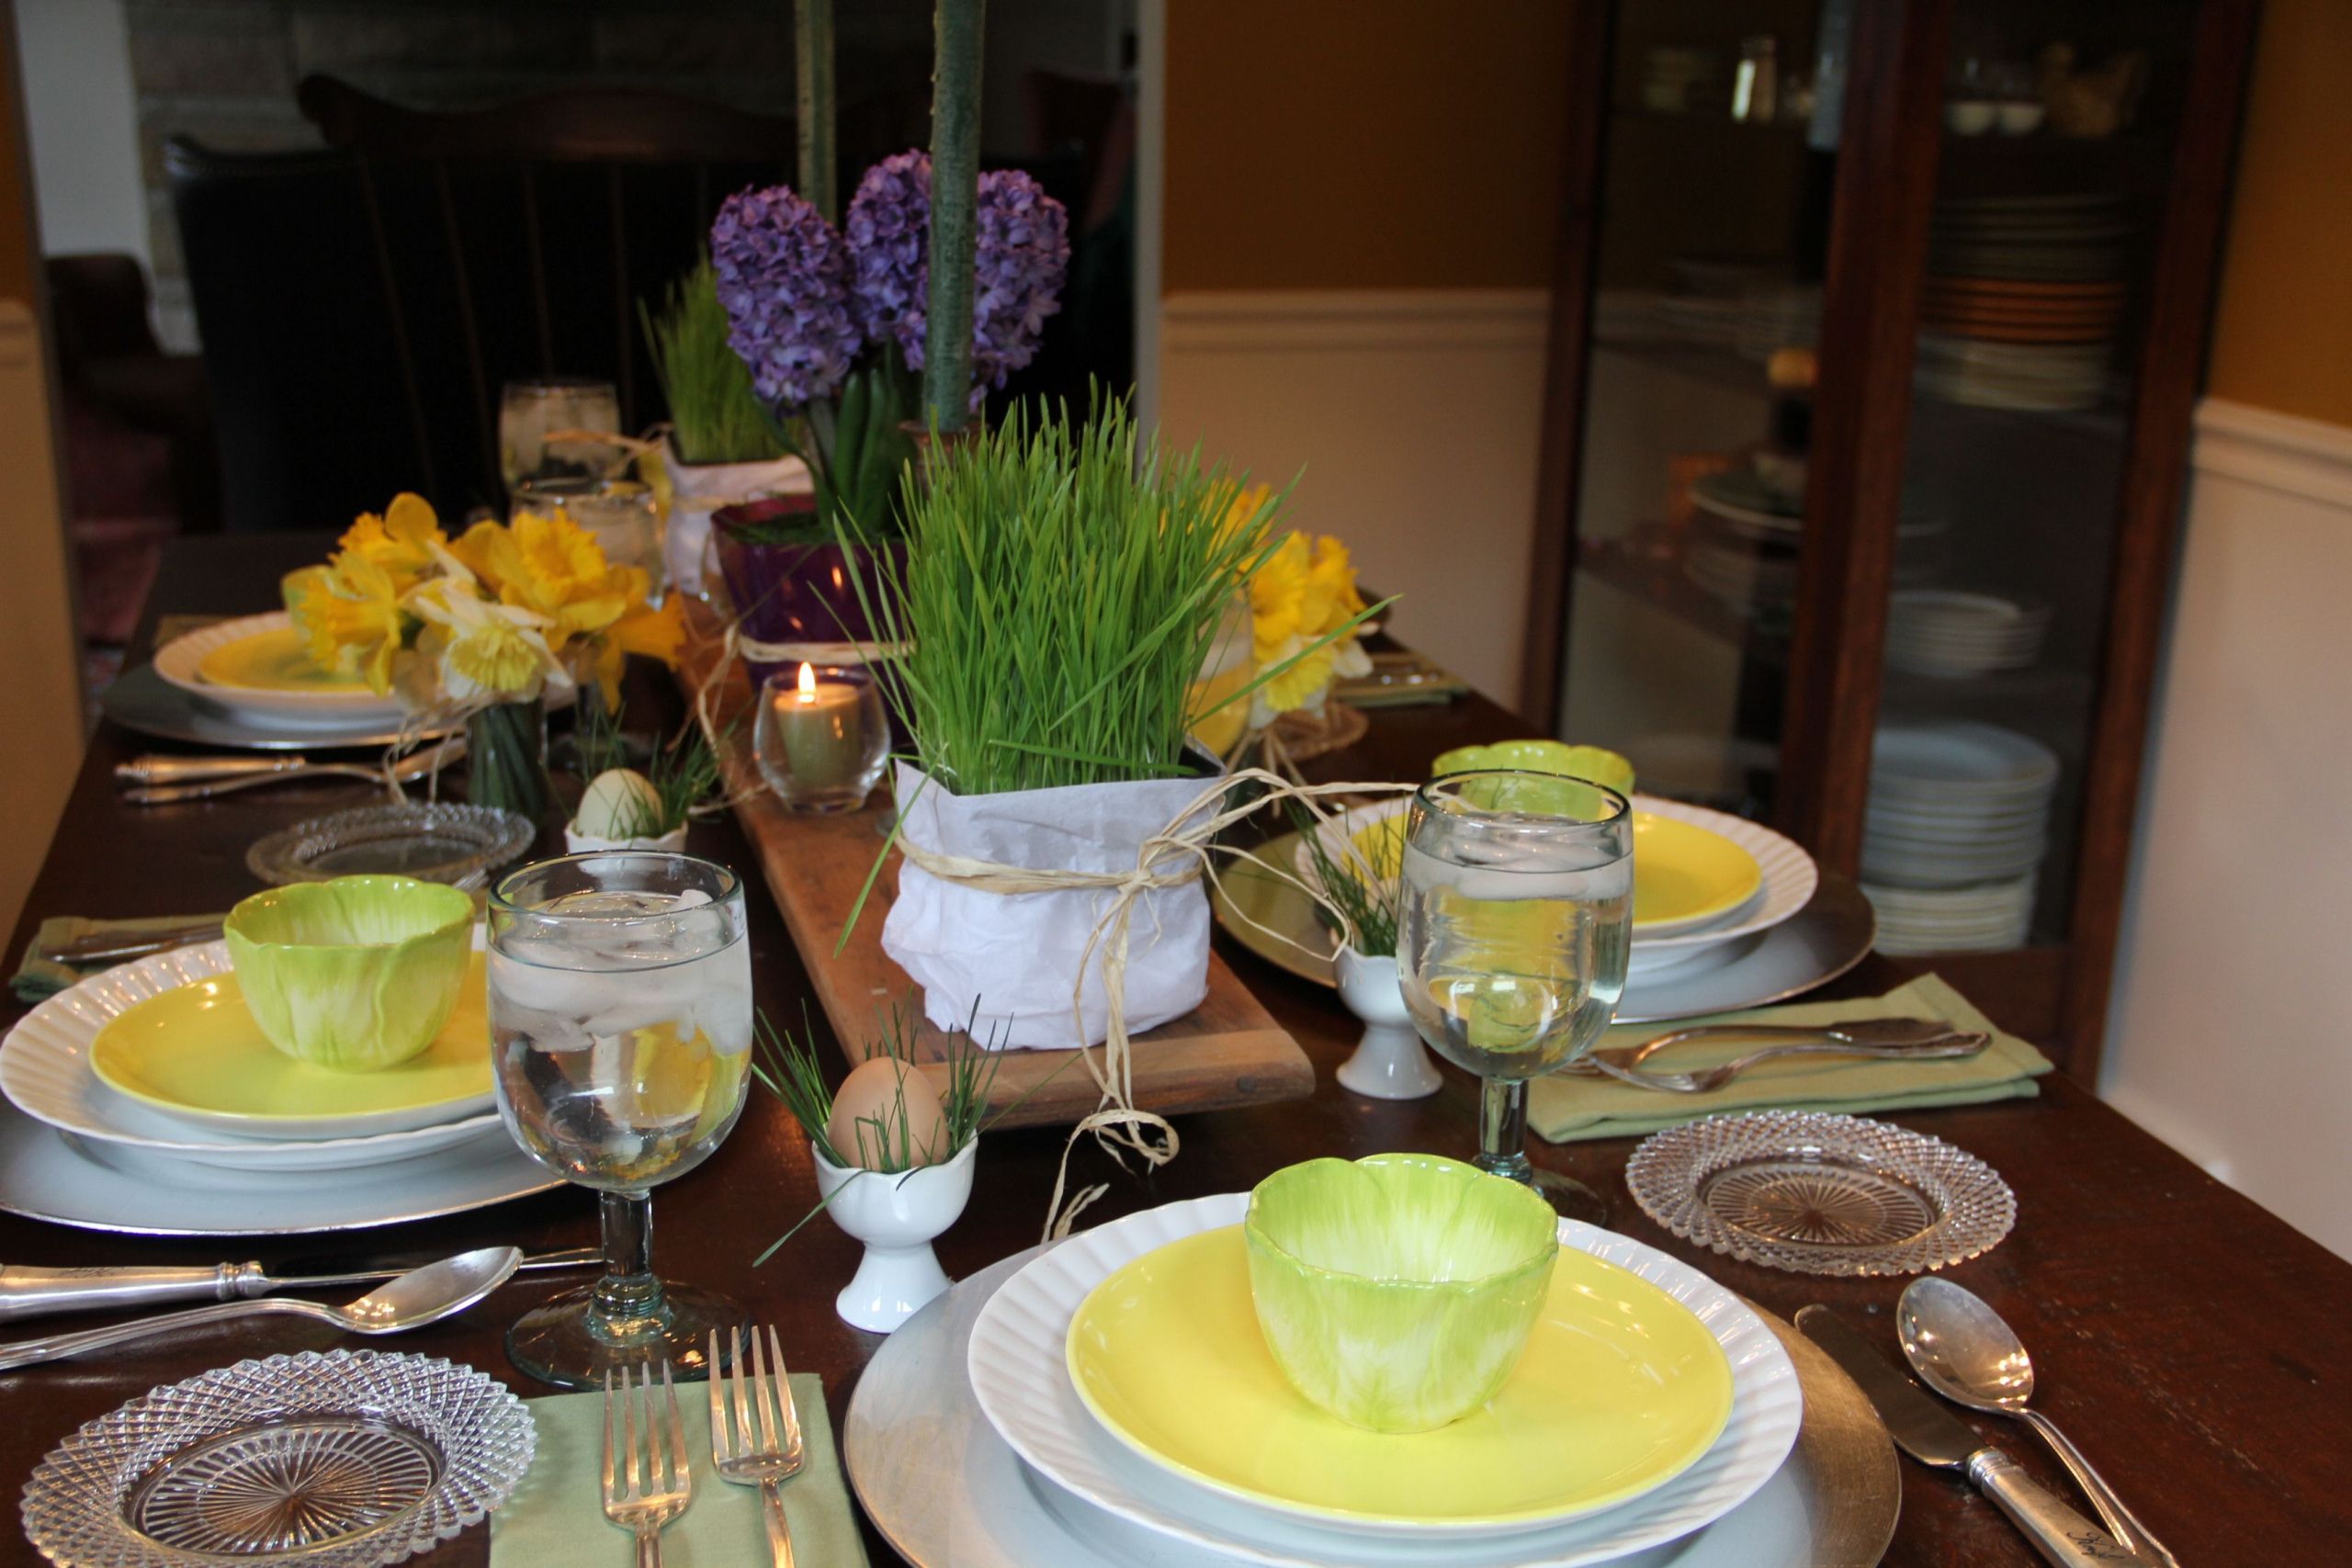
(2042, 377)
(1990, 916)
(1956, 805)
(1952, 634)
(1173, 1439)
(109, 1132)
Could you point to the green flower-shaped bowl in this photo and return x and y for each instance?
(354, 973)
(1397, 1291)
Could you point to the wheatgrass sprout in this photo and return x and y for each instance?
(1061, 587)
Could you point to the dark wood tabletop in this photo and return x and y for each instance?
(2198, 1347)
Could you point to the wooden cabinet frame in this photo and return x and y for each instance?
(1887, 169)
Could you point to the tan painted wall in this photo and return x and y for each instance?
(1363, 144)
(2283, 337)
(41, 691)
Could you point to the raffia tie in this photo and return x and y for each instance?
(1182, 852)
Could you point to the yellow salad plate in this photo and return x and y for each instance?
(1685, 877)
(1620, 1390)
(272, 660)
(195, 1054)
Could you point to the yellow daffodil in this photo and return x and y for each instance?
(1304, 592)
(1278, 598)
(402, 541)
(658, 634)
(349, 616)
(554, 567)
(485, 651)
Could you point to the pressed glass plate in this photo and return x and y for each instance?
(433, 842)
(352, 1459)
(1816, 1193)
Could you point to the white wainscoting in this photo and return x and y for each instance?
(1414, 415)
(2232, 1032)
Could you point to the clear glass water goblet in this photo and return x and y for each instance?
(1514, 926)
(532, 418)
(620, 1016)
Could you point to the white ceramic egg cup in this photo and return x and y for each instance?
(896, 1215)
(1390, 1062)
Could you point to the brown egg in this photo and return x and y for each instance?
(912, 1132)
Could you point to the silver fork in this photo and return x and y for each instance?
(1700, 1082)
(159, 781)
(773, 1454)
(649, 1500)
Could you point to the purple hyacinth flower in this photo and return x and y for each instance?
(1022, 253)
(784, 278)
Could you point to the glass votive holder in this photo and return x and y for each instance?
(821, 737)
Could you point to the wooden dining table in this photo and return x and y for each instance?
(2197, 1346)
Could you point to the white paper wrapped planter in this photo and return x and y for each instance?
(698, 490)
(1009, 962)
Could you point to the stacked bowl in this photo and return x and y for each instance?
(1957, 823)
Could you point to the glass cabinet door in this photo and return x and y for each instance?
(2059, 123)
(1712, 212)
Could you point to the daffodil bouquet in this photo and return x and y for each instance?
(494, 619)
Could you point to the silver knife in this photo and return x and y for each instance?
(39, 1292)
(1933, 1436)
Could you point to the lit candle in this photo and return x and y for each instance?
(821, 724)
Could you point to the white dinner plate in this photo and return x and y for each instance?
(45, 1071)
(180, 661)
(945, 1492)
(49, 1175)
(1021, 1382)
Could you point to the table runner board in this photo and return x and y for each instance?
(1228, 1052)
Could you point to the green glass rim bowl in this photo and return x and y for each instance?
(1397, 1291)
(354, 973)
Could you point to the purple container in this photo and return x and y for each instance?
(796, 593)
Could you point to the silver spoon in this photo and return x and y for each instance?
(415, 1299)
(1962, 1350)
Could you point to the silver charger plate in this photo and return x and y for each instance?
(433, 841)
(48, 1175)
(350, 1458)
(142, 700)
(1824, 940)
(944, 1490)
(1814, 1192)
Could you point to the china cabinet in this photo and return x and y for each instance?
(1876, 329)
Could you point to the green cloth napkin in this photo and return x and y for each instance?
(556, 1518)
(1564, 1108)
(38, 976)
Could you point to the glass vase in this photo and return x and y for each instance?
(506, 758)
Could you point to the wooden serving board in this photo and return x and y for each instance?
(1228, 1052)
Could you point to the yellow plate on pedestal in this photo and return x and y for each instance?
(271, 662)
(1620, 1390)
(195, 1054)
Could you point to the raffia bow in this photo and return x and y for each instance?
(1182, 852)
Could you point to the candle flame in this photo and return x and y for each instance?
(807, 684)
